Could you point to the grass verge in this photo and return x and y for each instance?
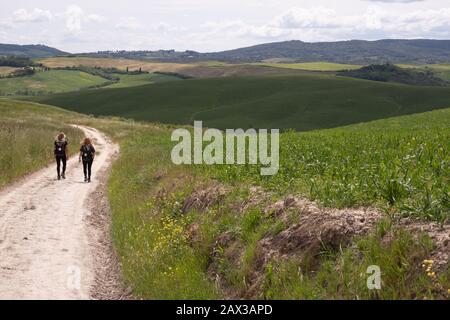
(27, 133)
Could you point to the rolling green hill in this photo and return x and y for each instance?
(304, 102)
(133, 80)
(52, 81)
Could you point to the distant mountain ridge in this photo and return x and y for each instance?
(30, 51)
(420, 51)
(355, 51)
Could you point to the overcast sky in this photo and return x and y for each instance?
(212, 25)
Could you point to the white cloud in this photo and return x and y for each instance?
(317, 17)
(324, 18)
(34, 15)
(75, 17)
(182, 24)
(5, 24)
(320, 24)
(163, 27)
(238, 28)
(129, 23)
(96, 18)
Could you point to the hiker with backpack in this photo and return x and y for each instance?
(87, 155)
(61, 152)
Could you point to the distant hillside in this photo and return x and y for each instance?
(354, 52)
(392, 73)
(31, 51)
(350, 52)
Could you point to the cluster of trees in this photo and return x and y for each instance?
(95, 71)
(139, 71)
(18, 62)
(25, 66)
(141, 54)
(174, 74)
(391, 73)
(105, 73)
(15, 61)
(27, 71)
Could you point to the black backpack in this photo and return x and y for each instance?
(60, 148)
(87, 152)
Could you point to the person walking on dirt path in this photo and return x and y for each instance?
(61, 152)
(87, 155)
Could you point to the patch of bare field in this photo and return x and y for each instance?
(236, 71)
(121, 64)
(4, 71)
(200, 70)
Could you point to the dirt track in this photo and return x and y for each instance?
(46, 248)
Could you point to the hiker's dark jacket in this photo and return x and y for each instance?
(60, 147)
